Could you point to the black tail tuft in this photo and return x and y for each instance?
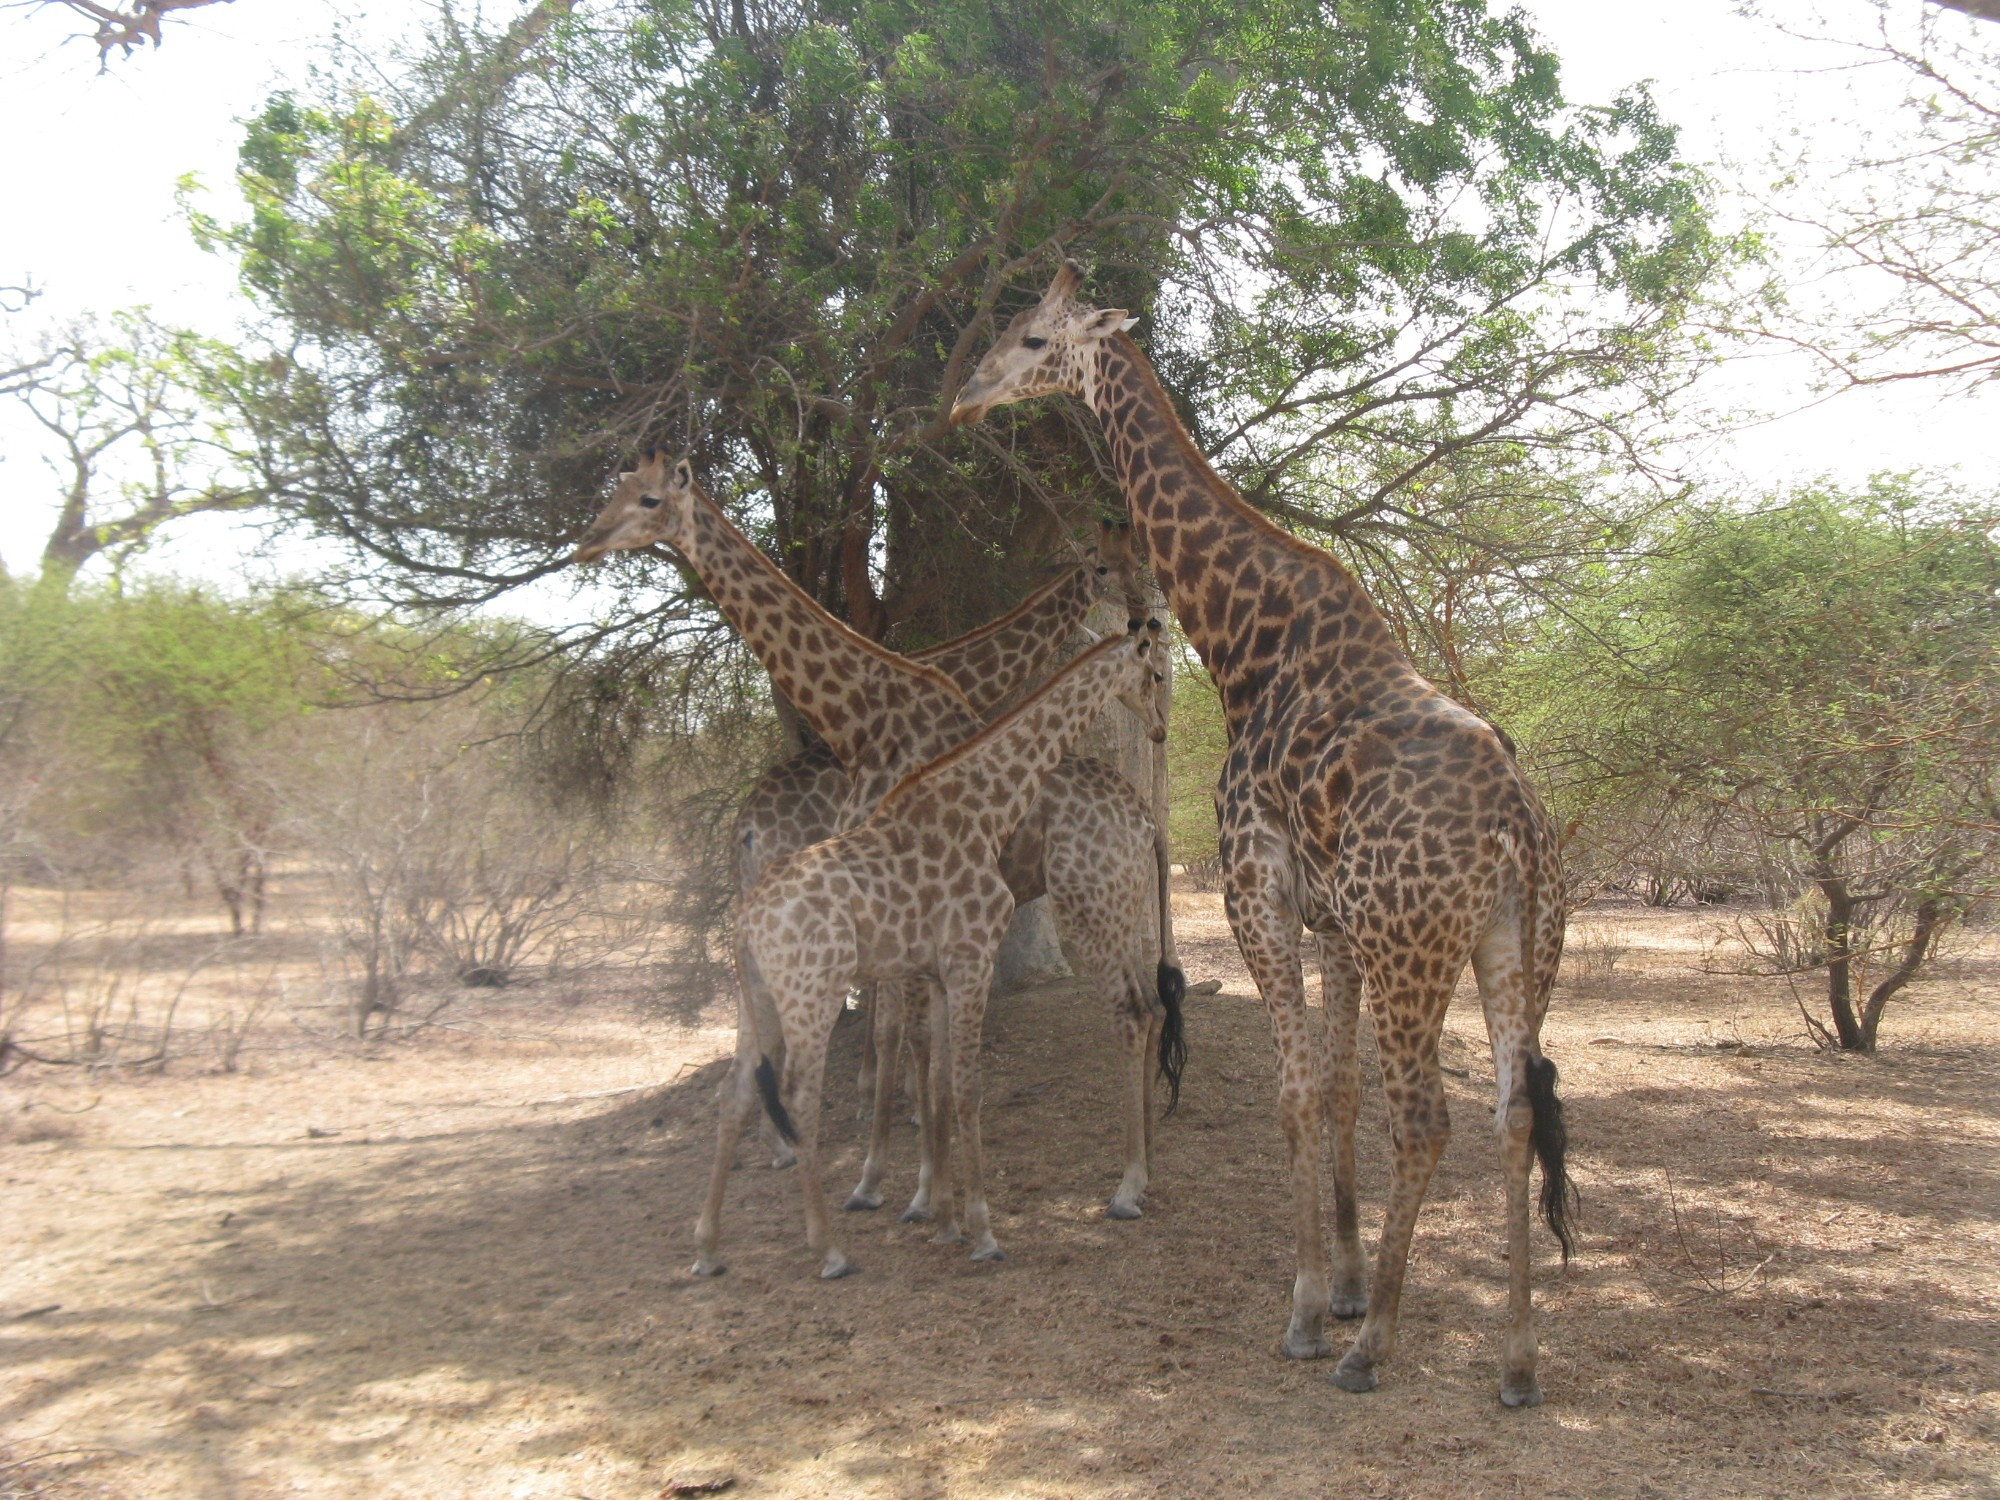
(1173, 1039)
(767, 1085)
(1560, 1199)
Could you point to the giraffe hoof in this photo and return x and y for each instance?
(989, 1252)
(836, 1266)
(1353, 1375)
(1526, 1394)
(1348, 1304)
(857, 1201)
(914, 1214)
(783, 1159)
(707, 1268)
(1119, 1210)
(1300, 1346)
(951, 1234)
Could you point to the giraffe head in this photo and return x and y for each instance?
(1044, 350)
(1117, 565)
(651, 503)
(1138, 685)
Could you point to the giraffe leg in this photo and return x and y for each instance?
(917, 1030)
(1267, 930)
(945, 1202)
(804, 1081)
(886, 1013)
(1407, 1026)
(1130, 1025)
(1340, 983)
(866, 1104)
(965, 1008)
(1507, 996)
(735, 1098)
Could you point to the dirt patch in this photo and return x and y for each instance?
(458, 1266)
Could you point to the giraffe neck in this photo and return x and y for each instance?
(1263, 609)
(843, 684)
(992, 663)
(994, 777)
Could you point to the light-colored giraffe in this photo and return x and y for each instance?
(1356, 800)
(799, 800)
(914, 893)
(1088, 842)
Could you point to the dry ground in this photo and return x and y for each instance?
(456, 1266)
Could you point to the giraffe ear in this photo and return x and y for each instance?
(684, 474)
(1106, 321)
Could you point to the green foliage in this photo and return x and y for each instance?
(1811, 682)
(1197, 743)
(1374, 239)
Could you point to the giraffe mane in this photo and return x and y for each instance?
(999, 622)
(1150, 383)
(783, 580)
(966, 748)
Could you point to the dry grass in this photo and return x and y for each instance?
(456, 1266)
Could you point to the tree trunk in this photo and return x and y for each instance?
(1931, 920)
(1839, 937)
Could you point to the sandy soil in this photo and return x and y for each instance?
(457, 1266)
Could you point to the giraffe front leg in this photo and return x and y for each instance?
(866, 1105)
(965, 1009)
(1340, 980)
(886, 1011)
(917, 1042)
(735, 1098)
(804, 1079)
(1267, 930)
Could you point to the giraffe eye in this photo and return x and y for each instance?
(649, 502)
(1033, 343)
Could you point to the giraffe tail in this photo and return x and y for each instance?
(1547, 1134)
(1560, 1199)
(1171, 981)
(774, 1106)
(1173, 1037)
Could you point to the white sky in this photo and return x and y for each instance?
(91, 219)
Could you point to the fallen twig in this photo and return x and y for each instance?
(35, 1312)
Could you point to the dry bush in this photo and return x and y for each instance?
(1592, 950)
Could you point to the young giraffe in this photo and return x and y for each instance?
(799, 800)
(1088, 841)
(1356, 799)
(914, 893)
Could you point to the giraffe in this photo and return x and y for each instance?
(1088, 841)
(1356, 800)
(798, 801)
(914, 892)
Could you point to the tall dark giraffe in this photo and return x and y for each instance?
(1356, 800)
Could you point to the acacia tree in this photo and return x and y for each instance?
(1374, 243)
(1817, 683)
(1912, 290)
(140, 418)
